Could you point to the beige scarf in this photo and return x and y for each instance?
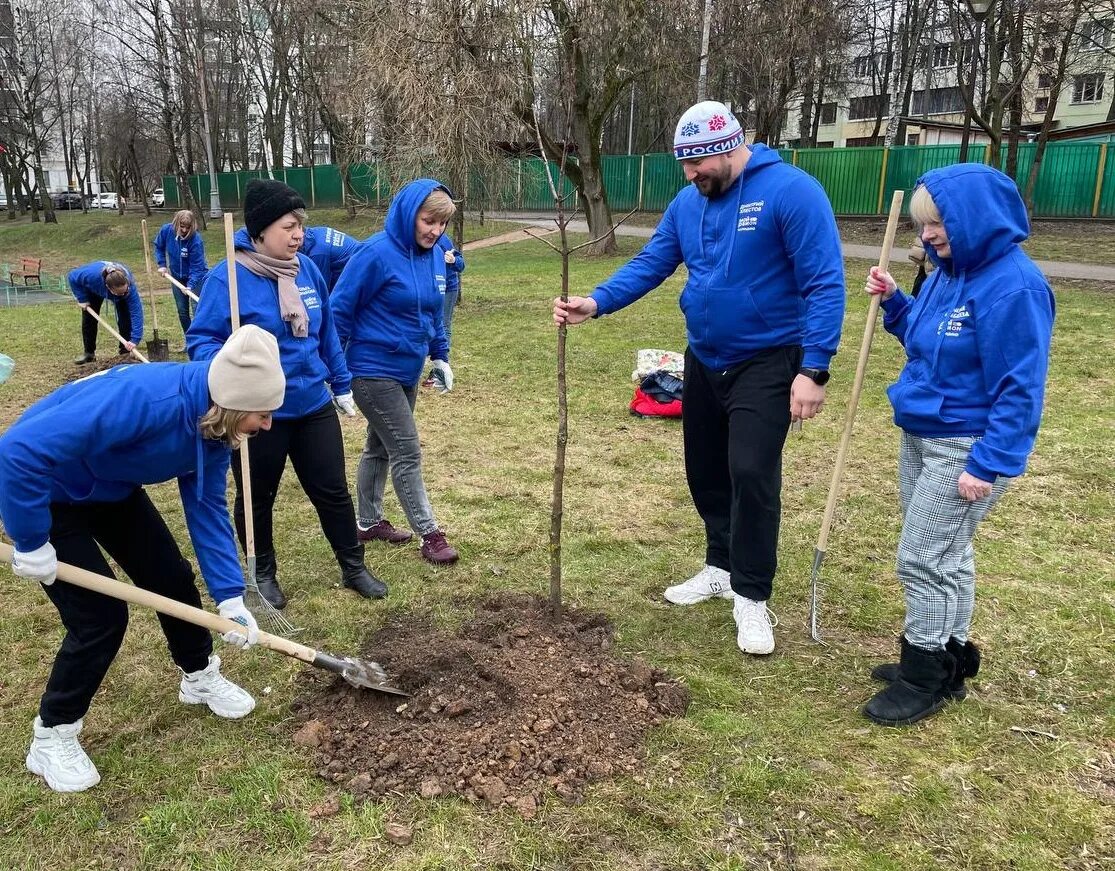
(283, 273)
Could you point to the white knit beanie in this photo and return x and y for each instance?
(246, 374)
(707, 128)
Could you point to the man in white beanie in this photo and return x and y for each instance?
(763, 306)
(72, 473)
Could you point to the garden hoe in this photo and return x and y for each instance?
(158, 349)
(359, 672)
(849, 421)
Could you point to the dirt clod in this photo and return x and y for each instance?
(398, 834)
(490, 720)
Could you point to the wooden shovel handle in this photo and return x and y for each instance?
(88, 310)
(137, 596)
(181, 286)
(861, 369)
(150, 283)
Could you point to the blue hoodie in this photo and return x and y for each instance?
(388, 302)
(308, 363)
(97, 439)
(88, 281)
(184, 259)
(330, 250)
(764, 261)
(977, 336)
(452, 270)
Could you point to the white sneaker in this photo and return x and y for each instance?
(754, 632)
(210, 687)
(56, 756)
(708, 583)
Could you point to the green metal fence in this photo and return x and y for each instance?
(1075, 179)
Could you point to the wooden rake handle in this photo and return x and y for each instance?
(181, 287)
(127, 593)
(861, 369)
(88, 310)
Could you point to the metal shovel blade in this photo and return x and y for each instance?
(359, 672)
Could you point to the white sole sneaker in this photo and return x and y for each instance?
(79, 784)
(215, 705)
(709, 583)
(754, 629)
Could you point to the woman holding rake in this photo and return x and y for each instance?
(969, 402)
(72, 473)
(283, 292)
(180, 253)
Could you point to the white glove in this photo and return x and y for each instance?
(345, 404)
(442, 368)
(40, 565)
(450, 257)
(234, 609)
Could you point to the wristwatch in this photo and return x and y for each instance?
(820, 377)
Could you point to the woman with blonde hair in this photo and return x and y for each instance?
(969, 402)
(388, 311)
(180, 253)
(72, 473)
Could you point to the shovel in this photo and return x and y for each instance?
(158, 349)
(358, 672)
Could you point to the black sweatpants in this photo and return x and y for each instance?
(316, 450)
(89, 324)
(735, 424)
(134, 534)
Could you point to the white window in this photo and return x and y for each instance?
(861, 67)
(1087, 88)
(1096, 34)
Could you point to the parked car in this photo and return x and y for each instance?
(158, 198)
(67, 200)
(106, 200)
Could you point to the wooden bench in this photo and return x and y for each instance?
(30, 270)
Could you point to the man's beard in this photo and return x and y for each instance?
(712, 185)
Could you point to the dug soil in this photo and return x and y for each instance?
(510, 708)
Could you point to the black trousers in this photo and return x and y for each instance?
(134, 534)
(89, 324)
(316, 450)
(735, 424)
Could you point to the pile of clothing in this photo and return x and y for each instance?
(659, 375)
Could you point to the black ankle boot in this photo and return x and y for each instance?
(967, 657)
(355, 575)
(267, 582)
(922, 687)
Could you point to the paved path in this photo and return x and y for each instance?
(1054, 269)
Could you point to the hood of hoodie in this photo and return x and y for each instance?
(404, 209)
(982, 212)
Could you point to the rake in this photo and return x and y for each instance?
(253, 597)
(849, 421)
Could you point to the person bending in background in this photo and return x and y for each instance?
(91, 285)
(330, 250)
(72, 473)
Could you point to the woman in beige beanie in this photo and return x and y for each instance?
(72, 473)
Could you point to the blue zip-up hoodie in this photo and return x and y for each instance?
(183, 258)
(388, 302)
(99, 438)
(88, 281)
(977, 336)
(308, 363)
(452, 270)
(330, 250)
(764, 261)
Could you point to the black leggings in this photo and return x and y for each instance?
(89, 323)
(316, 450)
(133, 533)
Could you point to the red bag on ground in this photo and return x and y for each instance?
(647, 406)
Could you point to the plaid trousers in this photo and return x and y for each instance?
(936, 561)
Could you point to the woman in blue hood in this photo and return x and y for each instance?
(388, 310)
(282, 291)
(72, 473)
(968, 401)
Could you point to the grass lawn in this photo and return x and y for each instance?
(773, 766)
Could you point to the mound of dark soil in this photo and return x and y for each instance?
(510, 707)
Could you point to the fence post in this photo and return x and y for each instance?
(882, 181)
(313, 189)
(642, 177)
(987, 155)
(519, 183)
(239, 199)
(794, 157)
(1099, 179)
(376, 166)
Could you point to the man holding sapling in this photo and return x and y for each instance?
(763, 306)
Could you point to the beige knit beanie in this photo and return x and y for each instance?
(246, 374)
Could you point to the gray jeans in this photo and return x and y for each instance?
(393, 445)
